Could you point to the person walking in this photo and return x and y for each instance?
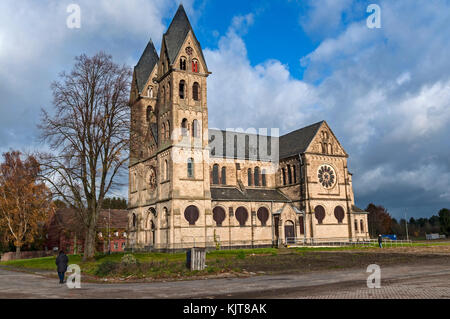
(61, 262)
(380, 241)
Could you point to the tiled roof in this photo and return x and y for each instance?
(297, 142)
(176, 34)
(251, 194)
(358, 210)
(68, 218)
(223, 145)
(145, 66)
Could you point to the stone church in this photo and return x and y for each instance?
(193, 186)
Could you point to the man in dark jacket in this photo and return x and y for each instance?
(61, 262)
(380, 241)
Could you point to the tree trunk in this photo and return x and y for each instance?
(89, 243)
(17, 252)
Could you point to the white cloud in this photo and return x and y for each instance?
(241, 95)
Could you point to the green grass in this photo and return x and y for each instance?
(149, 264)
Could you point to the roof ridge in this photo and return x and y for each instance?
(305, 127)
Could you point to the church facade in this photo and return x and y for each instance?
(194, 186)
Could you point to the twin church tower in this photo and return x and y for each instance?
(184, 193)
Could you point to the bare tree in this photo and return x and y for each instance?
(89, 135)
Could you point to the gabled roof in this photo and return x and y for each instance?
(297, 142)
(176, 34)
(145, 65)
(68, 219)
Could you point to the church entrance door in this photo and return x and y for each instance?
(289, 232)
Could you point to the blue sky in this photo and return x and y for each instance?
(285, 63)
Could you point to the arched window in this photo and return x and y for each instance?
(150, 92)
(195, 130)
(319, 213)
(196, 91)
(361, 226)
(294, 171)
(182, 89)
(190, 167)
(166, 170)
(264, 178)
(215, 174)
(263, 215)
(283, 171)
(249, 176)
(183, 63)
(169, 91)
(256, 176)
(289, 174)
(195, 66)
(163, 131)
(339, 214)
(218, 215)
(356, 226)
(330, 149)
(241, 215)
(301, 223)
(149, 113)
(133, 220)
(184, 128)
(163, 95)
(224, 176)
(167, 130)
(191, 214)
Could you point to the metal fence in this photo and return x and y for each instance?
(341, 242)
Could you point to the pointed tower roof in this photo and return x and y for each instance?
(145, 65)
(176, 34)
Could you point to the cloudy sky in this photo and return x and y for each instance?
(385, 92)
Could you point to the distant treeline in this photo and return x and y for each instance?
(108, 203)
(381, 222)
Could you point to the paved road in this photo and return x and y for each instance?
(405, 281)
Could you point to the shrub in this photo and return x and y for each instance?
(241, 254)
(128, 259)
(106, 268)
